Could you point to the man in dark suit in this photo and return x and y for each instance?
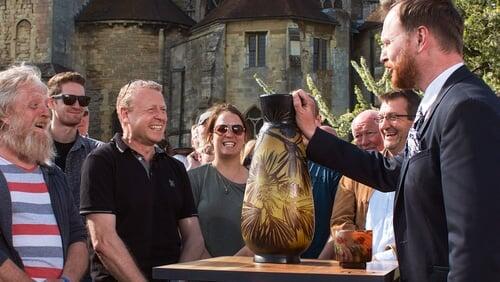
(447, 208)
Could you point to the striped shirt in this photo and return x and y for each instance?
(35, 232)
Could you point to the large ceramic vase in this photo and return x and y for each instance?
(277, 220)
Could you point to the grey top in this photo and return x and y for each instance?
(219, 203)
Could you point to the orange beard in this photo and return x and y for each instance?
(404, 74)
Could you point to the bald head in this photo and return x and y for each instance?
(365, 131)
(367, 116)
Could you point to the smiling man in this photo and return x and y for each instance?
(395, 118)
(68, 104)
(42, 237)
(396, 115)
(137, 199)
(446, 184)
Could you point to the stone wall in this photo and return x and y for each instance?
(241, 88)
(341, 62)
(366, 46)
(64, 31)
(109, 56)
(211, 66)
(197, 71)
(323, 78)
(25, 31)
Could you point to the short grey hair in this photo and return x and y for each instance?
(128, 90)
(14, 78)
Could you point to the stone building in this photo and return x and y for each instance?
(202, 51)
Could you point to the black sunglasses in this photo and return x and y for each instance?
(70, 99)
(222, 129)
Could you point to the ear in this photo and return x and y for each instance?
(124, 115)
(423, 37)
(51, 103)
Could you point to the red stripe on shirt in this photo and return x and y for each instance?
(34, 229)
(27, 187)
(43, 272)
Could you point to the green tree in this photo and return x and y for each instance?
(481, 39)
(379, 87)
(342, 124)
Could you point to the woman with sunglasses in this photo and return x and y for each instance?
(219, 187)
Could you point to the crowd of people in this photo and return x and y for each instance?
(420, 174)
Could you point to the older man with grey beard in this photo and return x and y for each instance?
(42, 235)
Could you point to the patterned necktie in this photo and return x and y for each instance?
(413, 142)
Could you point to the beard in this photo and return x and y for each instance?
(30, 146)
(404, 74)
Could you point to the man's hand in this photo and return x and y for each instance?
(9, 271)
(304, 112)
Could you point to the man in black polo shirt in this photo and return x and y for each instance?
(137, 200)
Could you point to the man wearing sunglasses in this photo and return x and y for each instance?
(68, 104)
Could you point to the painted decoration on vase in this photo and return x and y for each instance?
(278, 210)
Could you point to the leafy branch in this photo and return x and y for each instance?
(265, 87)
(383, 85)
(323, 108)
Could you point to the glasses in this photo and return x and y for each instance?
(70, 99)
(392, 117)
(222, 129)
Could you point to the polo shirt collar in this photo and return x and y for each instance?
(122, 146)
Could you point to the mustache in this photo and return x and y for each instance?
(29, 145)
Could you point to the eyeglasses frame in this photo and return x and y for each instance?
(392, 117)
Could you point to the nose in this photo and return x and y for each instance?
(160, 114)
(365, 141)
(44, 109)
(383, 56)
(384, 124)
(229, 132)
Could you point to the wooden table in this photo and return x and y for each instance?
(241, 269)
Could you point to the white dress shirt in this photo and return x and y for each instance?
(379, 220)
(434, 88)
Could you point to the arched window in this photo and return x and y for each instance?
(212, 4)
(337, 4)
(23, 40)
(325, 4)
(254, 121)
(191, 8)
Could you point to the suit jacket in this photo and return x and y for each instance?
(447, 208)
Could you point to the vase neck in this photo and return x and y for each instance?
(278, 108)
